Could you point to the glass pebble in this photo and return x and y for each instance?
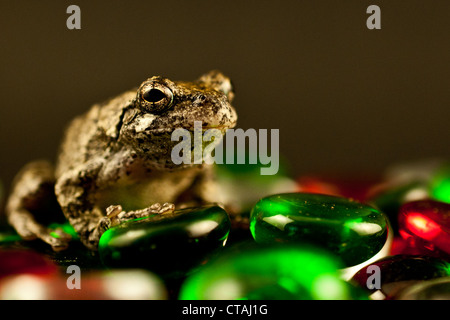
(399, 271)
(169, 246)
(427, 224)
(275, 272)
(352, 230)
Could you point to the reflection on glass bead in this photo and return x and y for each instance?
(130, 284)
(426, 223)
(436, 289)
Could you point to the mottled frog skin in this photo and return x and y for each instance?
(115, 161)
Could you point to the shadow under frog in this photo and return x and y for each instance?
(115, 161)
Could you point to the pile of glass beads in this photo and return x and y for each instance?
(314, 238)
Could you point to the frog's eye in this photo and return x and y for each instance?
(155, 97)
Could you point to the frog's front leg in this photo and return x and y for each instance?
(32, 205)
(76, 191)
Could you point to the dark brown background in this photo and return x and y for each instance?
(345, 98)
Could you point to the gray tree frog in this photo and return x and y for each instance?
(115, 162)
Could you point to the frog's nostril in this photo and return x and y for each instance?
(153, 95)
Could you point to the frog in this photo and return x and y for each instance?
(114, 162)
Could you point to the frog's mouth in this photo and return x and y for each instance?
(148, 124)
(203, 128)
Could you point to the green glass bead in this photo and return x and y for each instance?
(169, 245)
(8, 237)
(65, 227)
(440, 184)
(353, 231)
(269, 273)
(241, 185)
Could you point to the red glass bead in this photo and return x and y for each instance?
(355, 188)
(317, 185)
(14, 262)
(426, 224)
(411, 246)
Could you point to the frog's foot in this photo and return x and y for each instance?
(57, 238)
(30, 230)
(116, 215)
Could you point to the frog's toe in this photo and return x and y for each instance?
(56, 244)
(157, 208)
(60, 246)
(162, 208)
(56, 238)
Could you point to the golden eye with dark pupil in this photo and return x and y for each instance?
(153, 95)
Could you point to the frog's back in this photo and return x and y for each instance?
(92, 134)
